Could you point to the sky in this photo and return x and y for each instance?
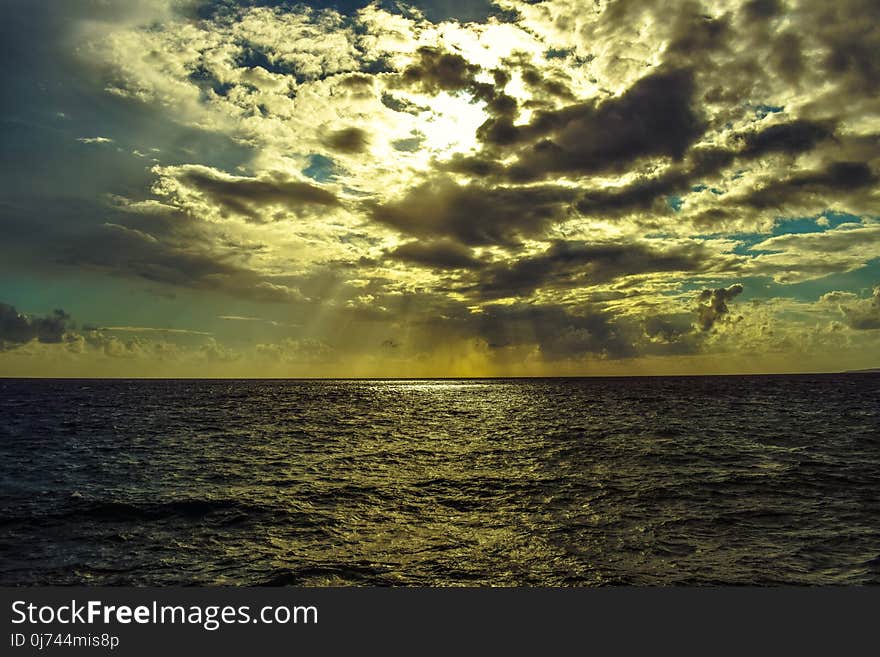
(211, 188)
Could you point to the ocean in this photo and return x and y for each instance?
(761, 480)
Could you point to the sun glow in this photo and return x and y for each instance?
(450, 126)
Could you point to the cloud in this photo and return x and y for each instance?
(649, 192)
(797, 257)
(712, 305)
(550, 184)
(58, 331)
(557, 332)
(474, 214)
(578, 264)
(859, 314)
(218, 353)
(249, 196)
(18, 328)
(348, 140)
(837, 176)
(793, 137)
(171, 249)
(643, 193)
(240, 318)
(60, 340)
(305, 351)
(94, 140)
(436, 71)
(151, 329)
(655, 117)
(436, 254)
(560, 333)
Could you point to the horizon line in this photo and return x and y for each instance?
(429, 378)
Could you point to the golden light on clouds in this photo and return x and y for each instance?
(531, 188)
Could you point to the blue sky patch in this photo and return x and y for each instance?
(320, 168)
(761, 111)
(675, 202)
(798, 225)
(702, 188)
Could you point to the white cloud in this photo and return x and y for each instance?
(94, 140)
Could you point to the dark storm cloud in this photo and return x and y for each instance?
(172, 250)
(655, 117)
(245, 196)
(565, 333)
(762, 9)
(557, 331)
(659, 116)
(641, 194)
(357, 85)
(436, 254)
(397, 104)
(842, 35)
(581, 264)
(17, 328)
(671, 329)
(646, 192)
(539, 82)
(651, 192)
(476, 166)
(832, 180)
(498, 103)
(348, 140)
(850, 32)
(475, 215)
(786, 56)
(794, 137)
(695, 33)
(712, 305)
(804, 45)
(867, 316)
(687, 25)
(437, 70)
